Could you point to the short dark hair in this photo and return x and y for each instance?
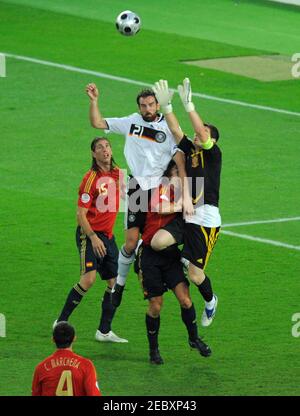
(214, 132)
(93, 147)
(144, 94)
(63, 334)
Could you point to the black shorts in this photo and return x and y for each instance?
(176, 229)
(106, 266)
(199, 242)
(138, 203)
(157, 272)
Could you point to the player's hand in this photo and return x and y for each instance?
(163, 95)
(92, 91)
(185, 93)
(98, 246)
(188, 207)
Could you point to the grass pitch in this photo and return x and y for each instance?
(45, 137)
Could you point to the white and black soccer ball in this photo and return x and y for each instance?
(128, 23)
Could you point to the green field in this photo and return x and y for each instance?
(45, 137)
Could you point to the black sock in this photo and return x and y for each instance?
(206, 290)
(189, 318)
(73, 300)
(171, 252)
(108, 311)
(152, 325)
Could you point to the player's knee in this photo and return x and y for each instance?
(161, 240)
(156, 243)
(154, 308)
(87, 280)
(196, 276)
(185, 302)
(130, 245)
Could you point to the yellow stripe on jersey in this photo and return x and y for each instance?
(202, 159)
(89, 182)
(195, 200)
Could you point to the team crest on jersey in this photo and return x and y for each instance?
(160, 137)
(85, 198)
(131, 218)
(195, 161)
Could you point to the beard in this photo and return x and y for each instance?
(149, 117)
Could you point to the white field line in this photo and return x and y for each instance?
(261, 240)
(239, 224)
(145, 84)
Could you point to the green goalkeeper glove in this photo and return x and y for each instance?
(163, 96)
(185, 93)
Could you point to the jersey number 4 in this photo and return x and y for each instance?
(65, 385)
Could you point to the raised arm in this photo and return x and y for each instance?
(164, 97)
(96, 118)
(185, 93)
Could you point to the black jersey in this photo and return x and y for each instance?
(206, 164)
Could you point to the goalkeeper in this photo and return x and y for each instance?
(203, 160)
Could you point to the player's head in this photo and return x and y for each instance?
(63, 334)
(213, 131)
(148, 105)
(101, 153)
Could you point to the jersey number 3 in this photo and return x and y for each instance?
(65, 378)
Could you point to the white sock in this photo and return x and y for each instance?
(211, 304)
(124, 263)
(121, 280)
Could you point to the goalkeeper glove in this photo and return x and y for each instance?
(163, 96)
(185, 93)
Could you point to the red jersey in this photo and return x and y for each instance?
(155, 221)
(65, 374)
(99, 192)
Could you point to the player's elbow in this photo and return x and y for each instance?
(97, 124)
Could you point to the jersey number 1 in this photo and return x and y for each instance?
(65, 378)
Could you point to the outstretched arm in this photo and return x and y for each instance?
(164, 97)
(96, 118)
(185, 93)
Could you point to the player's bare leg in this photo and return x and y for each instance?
(162, 239)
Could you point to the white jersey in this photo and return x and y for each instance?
(149, 147)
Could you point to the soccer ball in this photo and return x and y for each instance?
(128, 23)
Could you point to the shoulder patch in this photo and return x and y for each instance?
(85, 198)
